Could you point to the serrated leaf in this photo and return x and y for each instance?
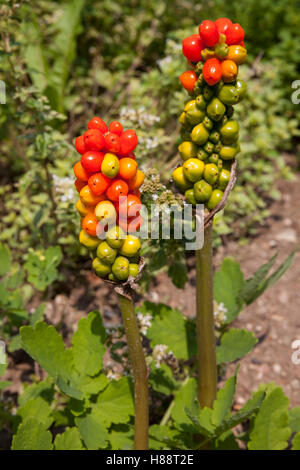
(271, 430)
(92, 430)
(5, 259)
(224, 401)
(185, 398)
(294, 419)
(38, 409)
(228, 282)
(161, 379)
(88, 344)
(206, 430)
(161, 437)
(170, 327)
(250, 287)
(32, 435)
(68, 440)
(115, 404)
(296, 442)
(235, 344)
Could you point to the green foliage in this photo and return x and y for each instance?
(42, 266)
(235, 343)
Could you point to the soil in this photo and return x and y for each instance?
(274, 318)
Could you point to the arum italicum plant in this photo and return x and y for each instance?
(108, 182)
(208, 150)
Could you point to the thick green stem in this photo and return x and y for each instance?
(206, 343)
(140, 373)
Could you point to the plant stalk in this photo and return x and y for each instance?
(140, 373)
(206, 343)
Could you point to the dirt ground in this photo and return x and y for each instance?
(274, 318)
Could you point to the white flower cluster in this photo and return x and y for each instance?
(112, 374)
(139, 116)
(65, 187)
(220, 314)
(165, 61)
(144, 321)
(160, 354)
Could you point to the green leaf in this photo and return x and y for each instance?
(42, 267)
(225, 441)
(294, 419)
(235, 344)
(271, 430)
(43, 389)
(92, 385)
(46, 346)
(5, 259)
(178, 273)
(202, 420)
(250, 287)
(115, 404)
(271, 280)
(38, 409)
(92, 430)
(88, 344)
(69, 440)
(37, 315)
(32, 435)
(161, 437)
(228, 282)
(170, 327)
(186, 397)
(224, 401)
(121, 437)
(296, 442)
(161, 379)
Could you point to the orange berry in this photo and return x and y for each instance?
(117, 189)
(137, 180)
(127, 168)
(229, 70)
(98, 183)
(79, 185)
(89, 224)
(83, 209)
(88, 197)
(80, 173)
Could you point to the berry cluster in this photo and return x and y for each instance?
(108, 182)
(209, 134)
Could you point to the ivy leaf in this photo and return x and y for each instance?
(224, 401)
(68, 440)
(186, 397)
(170, 327)
(271, 428)
(115, 404)
(228, 282)
(5, 259)
(88, 344)
(32, 435)
(294, 419)
(92, 430)
(235, 344)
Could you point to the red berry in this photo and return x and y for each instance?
(112, 142)
(97, 123)
(128, 141)
(223, 24)
(98, 183)
(188, 80)
(79, 185)
(192, 47)
(79, 144)
(234, 34)
(92, 161)
(129, 207)
(209, 33)
(117, 189)
(116, 128)
(94, 139)
(212, 71)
